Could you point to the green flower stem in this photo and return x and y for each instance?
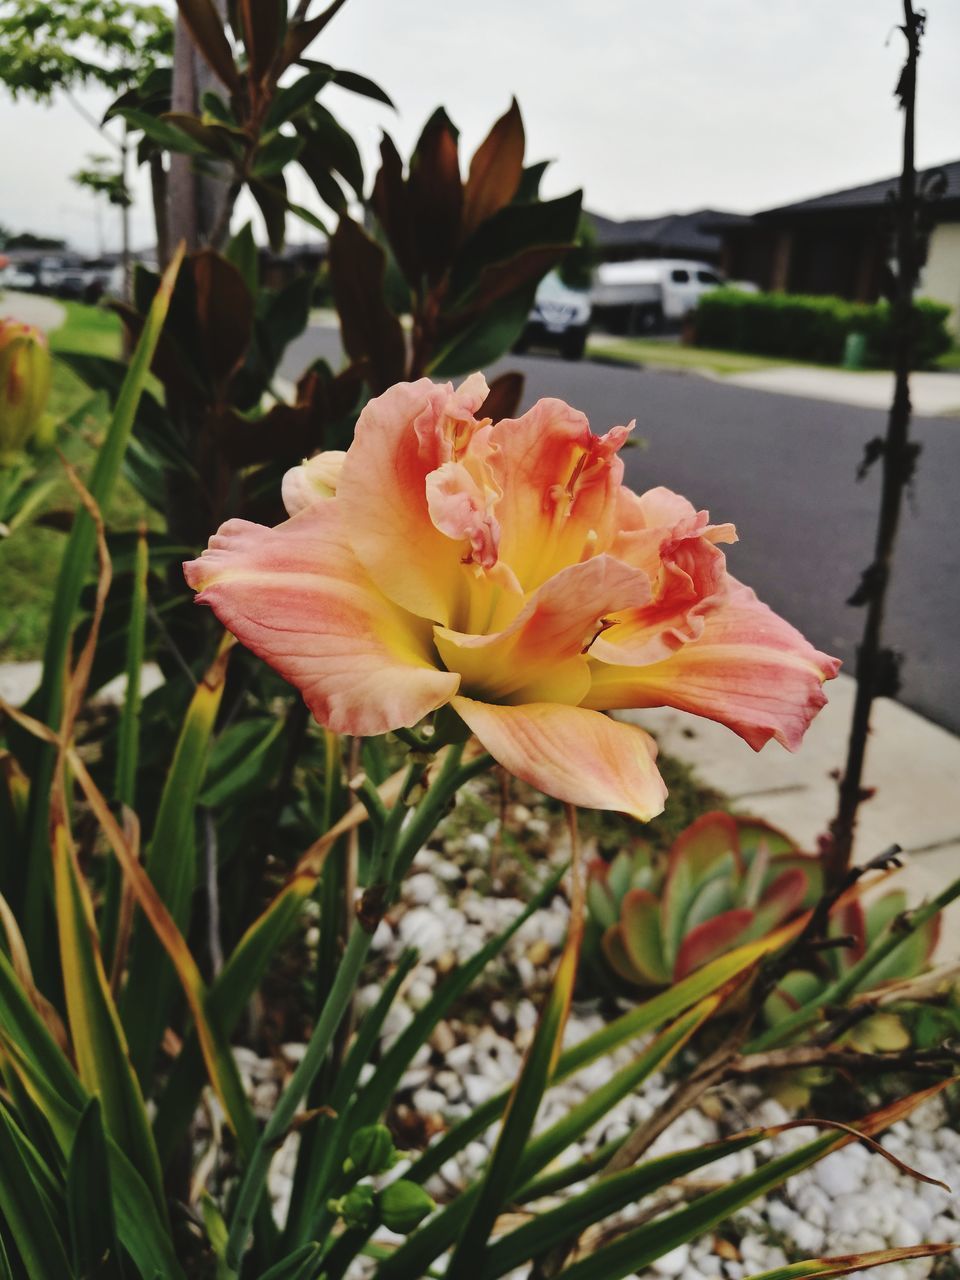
(846, 985)
(395, 845)
(251, 1187)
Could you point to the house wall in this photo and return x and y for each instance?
(941, 274)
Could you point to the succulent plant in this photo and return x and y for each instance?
(865, 924)
(725, 881)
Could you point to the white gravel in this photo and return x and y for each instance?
(852, 1201)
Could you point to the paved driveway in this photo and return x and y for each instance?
(782, 468)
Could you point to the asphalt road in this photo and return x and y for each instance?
(782, 468)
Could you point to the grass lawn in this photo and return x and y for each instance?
(92, 330)
(674, 355)
(30, 557)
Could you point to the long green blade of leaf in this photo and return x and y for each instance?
(171, 865)
(815, 1267)
(93, 1228)
(226, 1000)
(375, 1097)
(218, 1057)
(606, 1196)
(858, 974)
(640, 1248)
(501, 1173)
(128, 732)
(635, 1022)
(324, 1151)
(74, 567)
(26, 1214)
(142, 1233)
(98, 1041)
(441, 1231)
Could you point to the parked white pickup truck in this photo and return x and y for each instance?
(645, 295)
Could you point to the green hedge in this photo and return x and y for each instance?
(814, 328)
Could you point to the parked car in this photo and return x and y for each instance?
(17, 276)
(649, 294)
(560, 318)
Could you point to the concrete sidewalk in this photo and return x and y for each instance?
(913, 765)
(933, 395)
(32, 308)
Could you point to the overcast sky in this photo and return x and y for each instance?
(651, 108)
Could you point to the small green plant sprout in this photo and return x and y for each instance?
(725, 881)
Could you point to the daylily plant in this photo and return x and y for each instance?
(506, 570)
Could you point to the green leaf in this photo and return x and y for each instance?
(374, 1098)
(636, 1022)
(292, 97)
(302, 1264)
(852, 1262)
(607, 1195)
(271, 198)
(638, 1249)
(226, 1001)
(170, 864)
(167, 135)
(237, 759)
(98, 1042)
(487, 338)
(352, 81)
(242, 252)
(501, 1174)
(441, 1231)
(128, 733)
(142, 1232)
(327, 143)
(93, 1228)
(25, 1212)
(273, 155)
(72, 574)
(321, 1147)
(858, 976)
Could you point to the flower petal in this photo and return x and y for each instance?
(559, 484)
(539, 656)
(314, 480)
(297, 597)
(579, 756)
(749, 669)
(382, 492)
(675, 545)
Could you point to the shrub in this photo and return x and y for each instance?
(815, 328)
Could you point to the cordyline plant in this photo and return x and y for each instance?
(533, 590)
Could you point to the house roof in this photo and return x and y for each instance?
(691, 232)
(871, 194)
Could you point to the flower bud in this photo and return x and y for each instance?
(24, 386)
(404, 1205)
(357, 1207)
(371, 1151)
(313, 481)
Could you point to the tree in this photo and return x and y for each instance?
(59, 46)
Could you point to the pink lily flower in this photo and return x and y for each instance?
(505, 570)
